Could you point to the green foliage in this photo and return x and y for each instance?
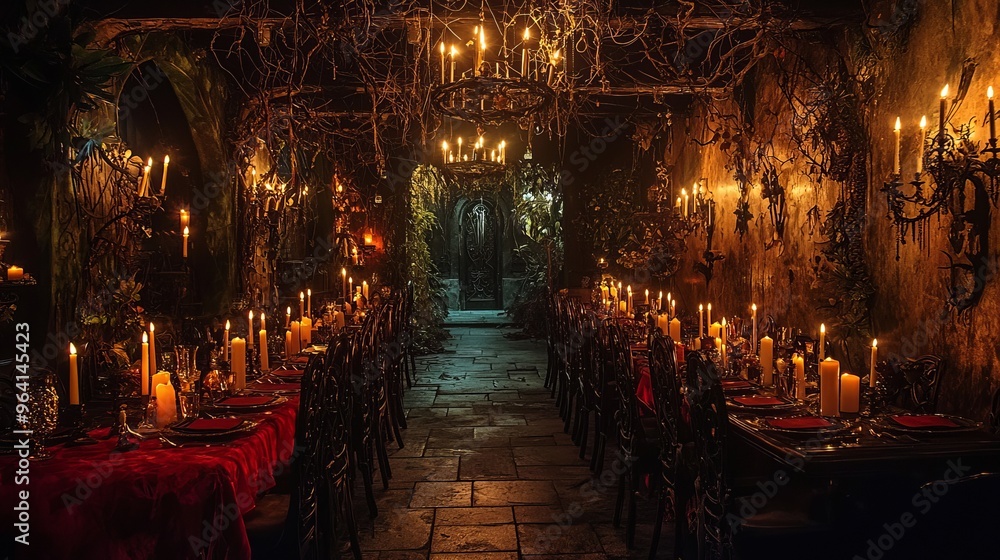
(430, 304)
(608, 220)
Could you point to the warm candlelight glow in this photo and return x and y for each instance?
(944, 92)
(899, 125)
(151, 327)
(72, 349)
(874, 343)
(145, 338)
(989, 92)
(527, 33)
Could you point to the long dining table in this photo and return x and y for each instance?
(157, 501)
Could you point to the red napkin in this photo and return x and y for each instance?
(735, 383)
(212, 425)
(924, 421)
(246, 401)
(275, 386)
(800, 423)
(288, 372)
(758, 401)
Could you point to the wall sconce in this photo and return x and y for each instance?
(369, 242)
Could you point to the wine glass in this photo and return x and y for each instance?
(43, 414)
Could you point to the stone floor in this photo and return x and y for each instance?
(487, 472)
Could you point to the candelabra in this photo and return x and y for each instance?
(697, 210)
(947, 165)
(475, 161)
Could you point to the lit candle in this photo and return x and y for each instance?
(265, 364)
(364, 288)
(767, 360)
(225, 343)
(628, 298)
(350, 286)
(15, 273)
(684, 205)
(872, 376)
(288, 344)
(302, 304)
(896, 166)
(163, 183)
(442, 62)
(715, 330)
(143, 181)
(753, 315)
(305, 335)
(453, 63)
(829, 387)
(152, 348)
(724, 331)
(647, 297)
(850, 393)
(663, 324)
(187, 233)
(309, 302)
(475, 51)
(524, 54)
(249, 339)
(920, 145)
(482, 44)
(800, 376)
(144, 368)
(708, 320)
(701, 320)
(675, 329)
(166, 404)
(944, 109)
(288, 316)
(822, 342)
(354, 256)
(444, 151)
(239, 364)
(459, 148)
(993, 126)
(74, 376)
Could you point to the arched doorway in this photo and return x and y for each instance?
(480, 262)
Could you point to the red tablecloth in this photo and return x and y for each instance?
(156, 502)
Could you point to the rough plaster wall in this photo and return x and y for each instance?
(911, 291)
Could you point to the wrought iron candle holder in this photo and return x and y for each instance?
(488, 100)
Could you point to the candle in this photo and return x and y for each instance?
(675, 329)
(715, 330)
(187, 232)
(163, 183)
(662, 323)
(850, 393)
(296, 337)
(822, 342)
(659, 300)
(166, 404)
(622, 306)
(800, 376)
(265, 364)
(647, 297)
(143, 181)
(453, 63)
(144, 367)
(239, 365)
(628, 290)
(767, 360)
(442, 62)
(302, 304)
(288, 344)
(993, 126)
(338, 320)
(673, 308)
(724, 331)
(708, 316)
(701, 320)
(15, 273)
(343, 276)
(444, 152)
(354, 256)
(524, 54)
(225, 343)
(305, 328)
(152, 348)
(350, 285)
(799, 365)
(74, 376)
(896, 166)
(684, 205)
(829, 387)
(872, 376)
(288, 316)
(613, 291)
(920, 145)
(941, 118)
(364, 288)
(309, 301)
(249, 339)
(753, 315)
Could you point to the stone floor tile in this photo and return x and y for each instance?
(474, 538)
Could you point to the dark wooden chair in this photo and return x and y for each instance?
(913, 384)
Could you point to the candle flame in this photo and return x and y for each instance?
(944, 92)
(187, 231)
(309, 291)
(227, 324)
(923, 121)
(527, 33)
(874, 343)
(262, 316)
(302, 295)
(351, 280)
(753, 307)
(555, 56)
(899, 125)
(710, 307)
(684, 192)
(453, 51)
(72, 349)
(343, 272)
(145, 338)
(482, 39)
(288, 310)
(442, 47)
(149, 162)
(166, 160)
(701, 308)
(152, 327)
(822, 328)
(989, 92)
(250, 315)
(444, 145)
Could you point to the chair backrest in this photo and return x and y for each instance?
(666, 392)
(619, 357)
(710, 423)
(302, 524)
(913, 384)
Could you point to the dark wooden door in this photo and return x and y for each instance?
(481, 274)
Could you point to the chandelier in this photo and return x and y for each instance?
(477, 160)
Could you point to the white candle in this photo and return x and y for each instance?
(187, 232)
(872, 376)
(249, 339)
(753, 314)
(850, 393)
(364, 289)
(302, 304)
(663, 324)
(225, 343)
(992, 109)
(144, 368)
(708, 321)
(163, 183)
(920, 145)
(142, 181)
(767, 360)
(309, 302)
(675, 329)
(296, 337)
(306, 331)
(453, 63)
(701, 322)
(442, 62)
(166, 404)
(800, 376)
(74, 376)
(350, 286)
(15, 273)
(152, 348)
(896, 166)
(715, 330)
(288, 316)
(724, 331)
(265, 363)
(524, 54)
(822, 342)
(239, 365)
(829, 387)
(647, 297)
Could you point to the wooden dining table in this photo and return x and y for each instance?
(157, 501)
